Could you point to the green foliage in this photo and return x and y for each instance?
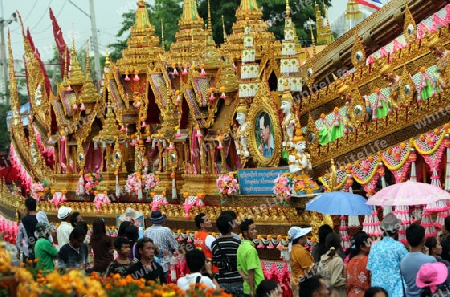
(219, 8)
(4, 136)
(274, 11)
(169, 11)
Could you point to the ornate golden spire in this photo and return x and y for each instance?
(15, 104)
(75, 73)
(225, 37)
(143, 45)
(88, 92)
(210, 32)
(191, 34)
(248, 5)
(312, 37)
(288, 9)
(162, 33)
(190, 12)
(88, 59)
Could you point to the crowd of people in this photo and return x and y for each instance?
(386, 268)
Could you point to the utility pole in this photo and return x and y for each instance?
(98, 72)
(3, 57)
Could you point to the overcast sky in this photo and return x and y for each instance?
(73, 21)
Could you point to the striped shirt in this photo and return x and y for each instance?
(225, 248)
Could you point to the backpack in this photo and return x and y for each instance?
(29, 223)
(225, 262)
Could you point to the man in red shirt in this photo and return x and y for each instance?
(203, 239)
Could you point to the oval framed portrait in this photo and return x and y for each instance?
(265, 132)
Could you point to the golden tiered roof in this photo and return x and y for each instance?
(247, 14)
(324, 34)
(191, 37)
(143, 45)
(76, 76)
(88, 92)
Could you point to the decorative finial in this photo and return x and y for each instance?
(107, 62)
(225, 37)
(288, 9)
(333, 176)
(298, 135)
(88, 59)
(210, 32)
(312, 37)
(162, 33)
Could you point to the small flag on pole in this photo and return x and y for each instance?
(375, 4)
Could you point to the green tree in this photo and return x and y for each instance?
(274, 11)
(219, 8)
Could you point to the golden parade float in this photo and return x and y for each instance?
(249, 126)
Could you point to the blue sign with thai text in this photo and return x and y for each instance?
(259, 181)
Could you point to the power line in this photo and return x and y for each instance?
(26, 18)
(43, 15)
(77, 7)
(57, 15)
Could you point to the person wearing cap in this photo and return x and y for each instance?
(411, 263)
(65, 228)
(25, 239)
(248, 260)
(385, 257)
(301, 260)
(44, 250)
(431, 278)
(131, 216)
(162, 236)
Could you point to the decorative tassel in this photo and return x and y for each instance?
(413, 176)
(123, 128)
(175, 72)
(117, 186)
(69, 88)
(211, 96)
(222, 91)
(136, 75)
(140, 194)
(83, 108)
(137, 104)
(74, 105)
(353, 221)
(435, 180)
(127, 78)
(447, 165)
(174, 188)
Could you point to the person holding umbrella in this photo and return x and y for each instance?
(385, 257)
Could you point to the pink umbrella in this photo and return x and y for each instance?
(408, 193)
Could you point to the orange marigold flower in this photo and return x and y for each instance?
(22, 264)
(30, 261)
(117, 276)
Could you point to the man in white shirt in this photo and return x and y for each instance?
(196, 262)
(65, 228)
(162, 236)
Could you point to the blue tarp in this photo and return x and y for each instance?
(24, 112)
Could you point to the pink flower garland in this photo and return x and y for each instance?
(282, 189)
(227, 185)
